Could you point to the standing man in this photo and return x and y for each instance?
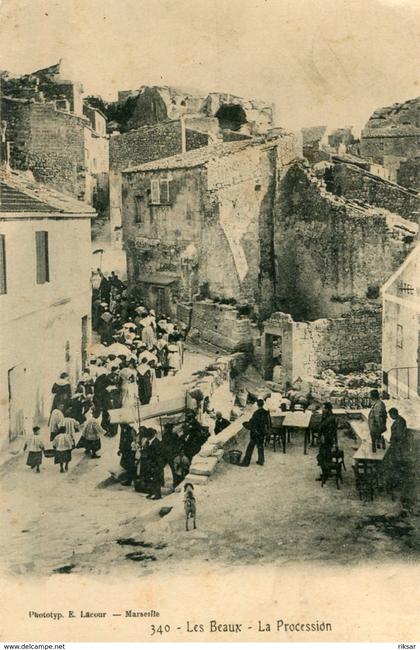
(377, 421)
(127, 451)
(104, 288)
(401, 449)
(155, 464)
(193, 436)
(112, 401)
(327, 440)
(258, 427)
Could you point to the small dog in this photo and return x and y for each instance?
(189, 504)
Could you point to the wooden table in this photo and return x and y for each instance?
(298, 420)
(365, 453)
(376, 461)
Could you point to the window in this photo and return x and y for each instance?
(159, 189)
(3, 280)
(42, 264)
(139, 205)
(154, 191)
(164, 190)
(400, 336)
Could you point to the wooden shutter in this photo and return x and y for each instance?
(3, 278)
(42, 263)
(155, 191)
(164, 191)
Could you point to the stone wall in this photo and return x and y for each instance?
(57, 147)
(343, 344)
(151, 143)
(239, 258)
(331, 255)
(221, 326)
(392, 131)
(195, 139)
(408, 174)
(48, 142)
(355, 183)
(143, 145)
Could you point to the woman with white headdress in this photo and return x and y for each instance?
(129, 388)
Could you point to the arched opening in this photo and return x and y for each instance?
(231, 116)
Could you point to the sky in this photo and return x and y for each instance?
(326, 62)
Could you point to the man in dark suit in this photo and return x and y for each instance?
(154, 465)
(328, 439)
(258, 427)
(221, 423)
(377, 421)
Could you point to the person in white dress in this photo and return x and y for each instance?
(129, 389)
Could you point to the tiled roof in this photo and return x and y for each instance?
(196, 157)
(11, 200)
(19, 193)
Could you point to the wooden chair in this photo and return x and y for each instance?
(314, 429)
(335, 469)
(366, 480)
(276, 435)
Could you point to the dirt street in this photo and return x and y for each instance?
(277, 515)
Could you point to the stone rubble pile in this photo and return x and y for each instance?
(340, 388)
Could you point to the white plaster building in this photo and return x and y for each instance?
(45, 298)
(401, 329)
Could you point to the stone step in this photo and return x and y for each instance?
(195, 479)
(203, 466)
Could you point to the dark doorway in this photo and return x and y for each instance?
(273, 354)
(231, 116)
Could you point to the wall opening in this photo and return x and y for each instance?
(231, 116)
(273, 357)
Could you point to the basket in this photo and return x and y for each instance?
(49, 453)
(234, 456)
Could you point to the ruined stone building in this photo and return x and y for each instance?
(321, 142)
(391, 138)
(202, 221)
(155, 104)
(251, 222)
(52, 132)
(45, 319)
(333, 250)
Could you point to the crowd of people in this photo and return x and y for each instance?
(154, 342)
(144, 454)
(138, 348)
